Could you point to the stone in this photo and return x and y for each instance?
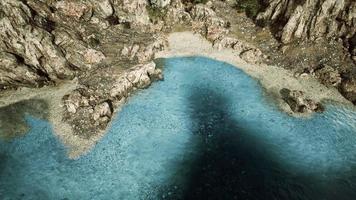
(102, 110)
(348, 89)
(328, 76)
(73, 9)
(310, 19)
(299, 103)
(160, 3)
(251, 55)
(92, 56)
(207, 23)
(31, 46)
(103, 8)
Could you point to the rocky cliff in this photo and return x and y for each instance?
(300, 20)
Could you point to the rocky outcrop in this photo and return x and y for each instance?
(105, 45)
(311, 19)
(348, 89)
(160, 3)
(29, 46)
(207, 23)
(91, 107)
(328, 76)
(299, 103)
(316, 20)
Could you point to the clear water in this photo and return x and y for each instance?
(206, 132)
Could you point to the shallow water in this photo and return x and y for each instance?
(206, 132)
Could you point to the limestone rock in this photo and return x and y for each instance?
(348, 89)
(77, 51)
(207, 23)
(89, 108)
(328, 76)
(74, 9)
(92, 56)
(132, 11)
(14, 73)
(176, 13)
(102, 110)
(251, 55)
(310, 19)
(299, 103)
(103, 8)
(160, 3)
(31, 45)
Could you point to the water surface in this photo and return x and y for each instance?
(205, 132)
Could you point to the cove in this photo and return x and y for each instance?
(205, 132)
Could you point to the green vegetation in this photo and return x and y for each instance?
(251, 7)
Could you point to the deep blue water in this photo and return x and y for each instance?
(205, 132)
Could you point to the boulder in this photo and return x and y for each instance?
(299, 103)
(102, 110)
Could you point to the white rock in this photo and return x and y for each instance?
(160, 3)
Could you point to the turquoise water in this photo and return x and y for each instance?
(205, 132)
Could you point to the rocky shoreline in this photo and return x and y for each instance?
(85, 58)
(304, 93)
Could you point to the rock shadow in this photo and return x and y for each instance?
(232, 163)
(12, 117)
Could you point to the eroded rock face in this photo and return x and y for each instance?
(208, 23)
(299, 103)
(348, 89)
(316, 20)
(32, 47)
(160, 3)
(311, 19)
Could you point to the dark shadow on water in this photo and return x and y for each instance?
(12, 117)
(232, 164)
